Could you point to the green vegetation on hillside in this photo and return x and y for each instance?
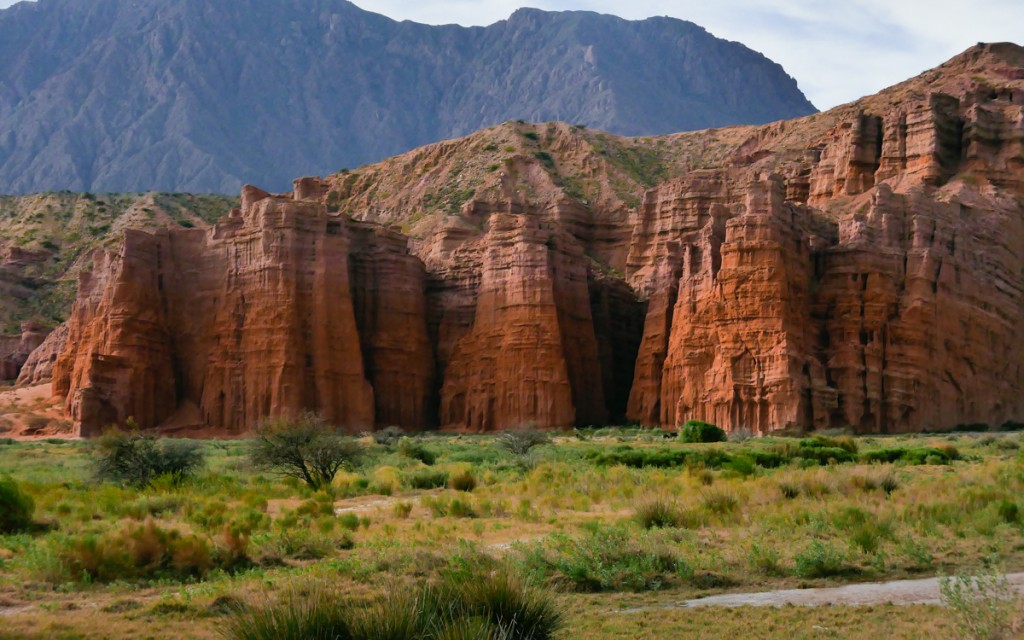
(55, 233)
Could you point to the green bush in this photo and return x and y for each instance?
(427, 478)
(138, 460)
(695, 431)
(986, 605)
(415, 451)
(16, 507)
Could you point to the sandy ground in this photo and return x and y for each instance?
(32, 412)
(898, 592)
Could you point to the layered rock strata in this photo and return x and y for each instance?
(251, 319)
(863, 270)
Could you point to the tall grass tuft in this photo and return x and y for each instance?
(657, 514)
(16, 507)
(481, 605)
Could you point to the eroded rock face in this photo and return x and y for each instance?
(251, 319)
(863, 270)
(38, 367)
(15, 350)
(893, 303)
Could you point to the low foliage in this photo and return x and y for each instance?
(695, 431)
(138, 460)
(985, 605)
(609, 558)
(16, 507)
(480, 605)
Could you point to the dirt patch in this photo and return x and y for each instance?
(897, 592)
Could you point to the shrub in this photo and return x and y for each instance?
(656, 514)
(695, 431)
(306, 448)
(820, 560)
(1008, 511)
(416, 451)
(462, 480)
(147, 551)
(427, 478)
(520, 441)
(138, 460)
(16, 507)
(388, 436)
(986, 606)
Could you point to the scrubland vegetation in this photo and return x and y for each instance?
(471, 536)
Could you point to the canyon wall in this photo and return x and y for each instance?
(864, 270)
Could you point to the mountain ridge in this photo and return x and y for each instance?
(118, 96)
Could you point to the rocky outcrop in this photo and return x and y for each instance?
(38, 367)
(15, 350)
(531, 355)
(250, 319)
(894, 302)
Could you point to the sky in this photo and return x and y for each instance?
(838, 50)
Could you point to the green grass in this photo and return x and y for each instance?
(611, 511)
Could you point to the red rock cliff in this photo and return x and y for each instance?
(860, 268)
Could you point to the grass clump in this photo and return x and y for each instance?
(146, 552)
(608, 558)
(462, 480)
(306, 448)
(695, 431)
(658, 514)
(821, 560)
(427, 478)
(481, 605)
(138, 460)
(16, 507)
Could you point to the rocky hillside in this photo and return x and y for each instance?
(45, 239)
(861, 268)
(198, 96)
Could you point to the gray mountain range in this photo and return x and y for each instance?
(205, 95)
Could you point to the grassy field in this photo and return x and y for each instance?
(604, 520)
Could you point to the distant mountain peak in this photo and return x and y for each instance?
(203, 96)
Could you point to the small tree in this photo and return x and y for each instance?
(306, 448)
(520, 441)
(137, 459)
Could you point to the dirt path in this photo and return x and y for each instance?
(899, 592)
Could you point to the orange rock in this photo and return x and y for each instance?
(251, 319)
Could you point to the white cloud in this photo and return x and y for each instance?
(837, 51)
